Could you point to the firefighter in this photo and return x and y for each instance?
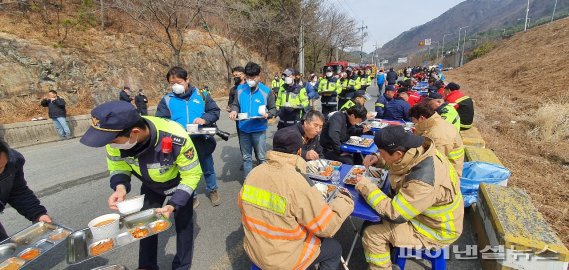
(382, 101)
(287, 223)
(427, 208)
(462, 103)
(160, 153)
(329, 88)
(447, 139)
(276, 84)
(354, 84)
(365, 78)
(445, 110)
(360, 97)
(292, 101)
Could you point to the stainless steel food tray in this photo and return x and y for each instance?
(359, 143)
(79, 242)
(369, 174)
(42, 236)
(310, 172)
(204, 131)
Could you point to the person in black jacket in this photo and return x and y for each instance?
(15, 191)
(124, 94)
(336, 132)
(307, 132)
(391, 77)
(141, 102)
(56, 111)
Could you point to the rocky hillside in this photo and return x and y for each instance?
(93, 66)
(479, 15)
(522, 110)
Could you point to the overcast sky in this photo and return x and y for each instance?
(387, 19)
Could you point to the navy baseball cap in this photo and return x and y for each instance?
(390, 88)
(107, 121)
(286, 140)
(392, 137)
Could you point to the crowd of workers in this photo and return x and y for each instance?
(287, 224)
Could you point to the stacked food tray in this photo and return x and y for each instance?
(30, 243)
(360, 142)
(81, 246)
(376, 175)
(378, 124)
(204, 131)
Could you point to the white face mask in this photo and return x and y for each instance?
(313, 83)
(125, 146)
(252, 83)
(289, 80)
(329, 74)
(178, 89)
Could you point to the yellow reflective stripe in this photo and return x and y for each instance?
(456, 154)
(403, 207)
(432, 234)
(379, 105)
(114, 158)
(465, 126)
(375, 197)
(439, 211)
(121, 172)
(378, 259)
(461, 99)
(264, 199)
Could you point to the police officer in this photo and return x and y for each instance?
(329, 88)
(160, 153)
(187, 105)
(292, 101)
(354, 84)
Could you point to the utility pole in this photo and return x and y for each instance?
(458, 46)
(462, 54)
(337, 49)
(554, 7)
(301, 42)
(375, 53)
(527, 13)
(362, 47)
(443, 48)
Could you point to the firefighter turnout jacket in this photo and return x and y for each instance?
(426, 194)
(446, 138)
(176, 173)
(283, 215)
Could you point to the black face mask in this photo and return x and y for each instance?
(236, 80)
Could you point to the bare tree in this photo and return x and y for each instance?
(166, 21)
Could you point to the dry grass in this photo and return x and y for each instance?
(552, 121)
(522, 110)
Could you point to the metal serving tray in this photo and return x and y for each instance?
(204, 131)
(314, 167)
(40, 236)
(369, 173)
(368, 142)
(79, 243)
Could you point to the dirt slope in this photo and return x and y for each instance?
(522, 110)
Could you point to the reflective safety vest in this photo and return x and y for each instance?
(291, 104)
(176, 174)
(326, 85)
(347, 105)
(365, 80)
(275, 84)
(185, 111)
(449, 114)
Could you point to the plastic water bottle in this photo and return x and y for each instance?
(335, 177)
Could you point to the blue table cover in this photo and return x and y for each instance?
(363, 150)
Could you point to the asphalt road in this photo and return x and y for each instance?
(72, 183)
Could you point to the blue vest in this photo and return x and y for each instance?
(185, 111)
(249, 103)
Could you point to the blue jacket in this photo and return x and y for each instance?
(397, 109)
(380, 105)
(380, 78)
(185, 108)
(311, 91)
(248, 101)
